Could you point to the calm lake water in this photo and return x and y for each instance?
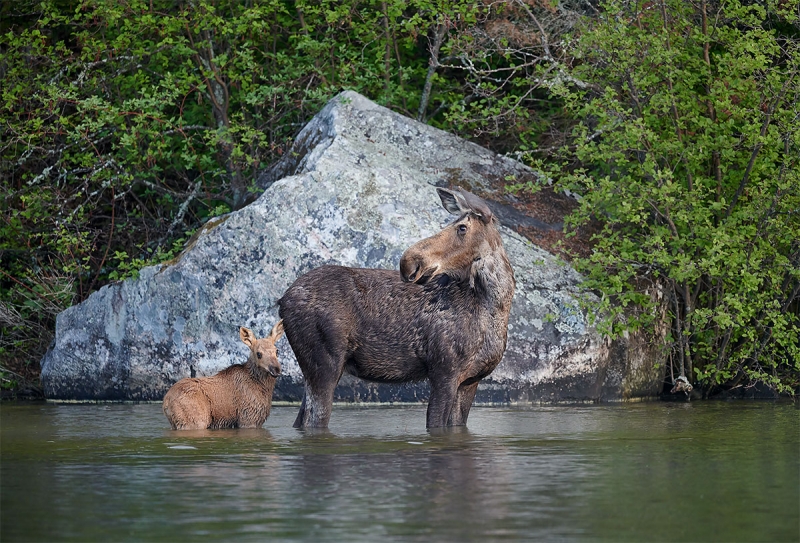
(705, 471)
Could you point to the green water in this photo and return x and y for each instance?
(705, 471)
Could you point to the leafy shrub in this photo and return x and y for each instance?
(687, 148)
(128, 124)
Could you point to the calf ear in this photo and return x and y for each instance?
(277, 331)
(247, 336)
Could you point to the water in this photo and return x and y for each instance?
(705, 471)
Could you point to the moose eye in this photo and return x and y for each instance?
(462, 229)
(258, 355)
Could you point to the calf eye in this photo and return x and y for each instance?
(462, 229)
(258, 355)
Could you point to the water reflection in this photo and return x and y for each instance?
(467, 486)
(243, 434)
(724, 471)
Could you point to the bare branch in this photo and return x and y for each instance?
(433, 64)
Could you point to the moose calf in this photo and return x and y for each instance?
(239, 396)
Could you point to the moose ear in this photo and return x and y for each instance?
(277, 331)
(460, 201)
(453, 201)
(247, 336)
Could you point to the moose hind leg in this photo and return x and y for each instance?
(315, 411)
(302, 418)
(320, 354)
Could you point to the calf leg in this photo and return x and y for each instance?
(196, 417)
(187, 407)
(197, 421)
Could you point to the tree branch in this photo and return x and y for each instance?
(433, 64)
(759, 145)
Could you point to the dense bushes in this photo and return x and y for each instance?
(128, 124)
(688, 150)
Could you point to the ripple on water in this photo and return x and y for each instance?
(726, 471)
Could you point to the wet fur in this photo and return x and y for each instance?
(239, 396)
(450, 326)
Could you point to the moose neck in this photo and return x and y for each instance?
(260, 375)
(492, 279)
(489, 281)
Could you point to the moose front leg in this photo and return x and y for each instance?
(464, 399)
(441, 404)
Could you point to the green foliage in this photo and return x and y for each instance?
(688, 147)
(499, 65)
(128, 124)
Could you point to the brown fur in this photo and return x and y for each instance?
(444, 318)
(239, 396)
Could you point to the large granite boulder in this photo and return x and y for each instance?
(357, 189)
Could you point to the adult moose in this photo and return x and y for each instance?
(444, 317)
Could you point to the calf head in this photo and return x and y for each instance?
(458, 249)
(263, 352)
